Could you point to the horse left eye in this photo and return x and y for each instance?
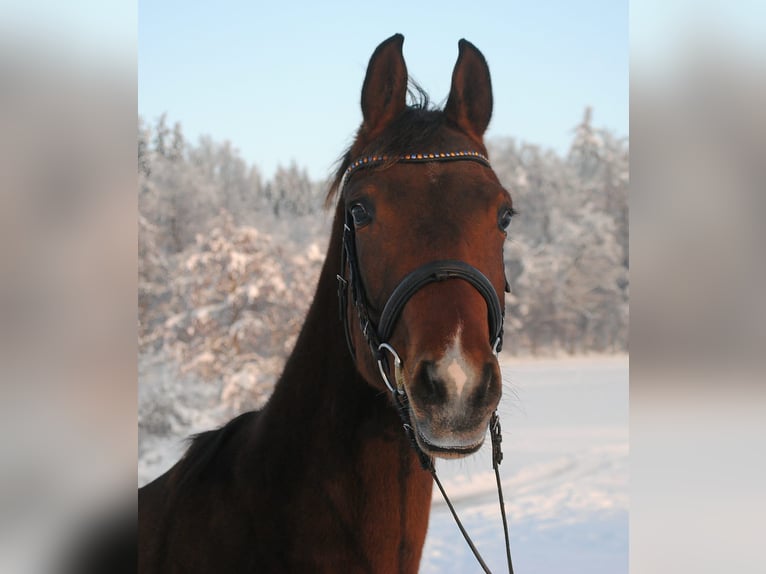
(504, 218)
(359, 215)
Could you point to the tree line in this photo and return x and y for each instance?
(228, 259)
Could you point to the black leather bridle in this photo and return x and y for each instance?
(379, 334)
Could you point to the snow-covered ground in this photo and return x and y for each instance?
(564, 474)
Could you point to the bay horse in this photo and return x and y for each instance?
(324, 478)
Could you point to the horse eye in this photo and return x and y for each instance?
(504, 219)
(360, 215)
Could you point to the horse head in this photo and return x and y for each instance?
(426, 221)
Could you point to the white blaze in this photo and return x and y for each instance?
(458, 375)
(453, 366)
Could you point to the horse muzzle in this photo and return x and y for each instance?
(451, 402)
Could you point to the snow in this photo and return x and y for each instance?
(564, 474)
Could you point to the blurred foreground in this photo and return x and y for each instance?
(698, 403)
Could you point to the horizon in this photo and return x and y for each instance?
(490, 141)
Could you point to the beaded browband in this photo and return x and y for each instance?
(412, 157)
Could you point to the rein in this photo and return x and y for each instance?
(378, 335)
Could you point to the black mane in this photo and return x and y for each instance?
(206, 446)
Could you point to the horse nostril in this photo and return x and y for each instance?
(489, 385)
(432, 386)
(488, 376)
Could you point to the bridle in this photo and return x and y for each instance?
(378, 335)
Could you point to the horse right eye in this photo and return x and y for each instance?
(504, 218)
(360, 215)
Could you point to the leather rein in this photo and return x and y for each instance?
(378, 334)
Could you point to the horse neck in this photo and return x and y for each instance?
(342, 442)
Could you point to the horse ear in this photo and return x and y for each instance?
(469, 106)
(384, 92)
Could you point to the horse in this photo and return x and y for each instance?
(405, 326)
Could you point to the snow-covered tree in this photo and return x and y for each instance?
(567, 253)
(228, 261)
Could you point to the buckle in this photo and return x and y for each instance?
(398, 374)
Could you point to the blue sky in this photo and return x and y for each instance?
(282, 80)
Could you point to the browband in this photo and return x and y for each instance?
(372, 160)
